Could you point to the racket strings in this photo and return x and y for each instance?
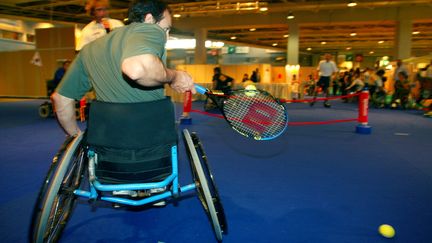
(255, 115)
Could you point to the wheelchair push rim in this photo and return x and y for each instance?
(205, 186)
(56, 199)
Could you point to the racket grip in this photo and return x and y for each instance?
(200, 89)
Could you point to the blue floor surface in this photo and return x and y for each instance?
(321, 183)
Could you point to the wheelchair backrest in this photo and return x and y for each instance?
(131, 125)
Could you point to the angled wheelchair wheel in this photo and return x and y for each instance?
(56, 198)
(45, 110)
(205, 184)
(209, 105)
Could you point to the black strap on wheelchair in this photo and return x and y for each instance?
(131, 125)
(133, 141)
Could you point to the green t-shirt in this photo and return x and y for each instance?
(98, 65)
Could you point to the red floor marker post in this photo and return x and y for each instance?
(363, 114)
(187, 107)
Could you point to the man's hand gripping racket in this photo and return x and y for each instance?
(251, 112)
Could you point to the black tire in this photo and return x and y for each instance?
(211, 183)
(77, 114)
(56, 199)
(45, 110)
(205, 185)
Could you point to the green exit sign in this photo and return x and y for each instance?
(231, 49)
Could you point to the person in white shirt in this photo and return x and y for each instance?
(428, 70)
(101, 24)
(400, 67)
(326, 68)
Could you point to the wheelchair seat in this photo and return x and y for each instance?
(132, 140)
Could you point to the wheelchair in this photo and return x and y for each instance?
(91, 166)
(378, 99)
(46, 109)
(210, 104)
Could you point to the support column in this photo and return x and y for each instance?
(200, 49)
(293, 43)
(292, 69)
(403, 38)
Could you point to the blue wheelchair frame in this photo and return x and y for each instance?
(96, 186)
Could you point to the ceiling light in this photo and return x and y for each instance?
(352, 4)
(233, 37)
(309, 49)
(290, 16)
(323, 42)
(348, 48)
(263, 9)
(353, 34)
(252, 29)
(371, 52)
(274, 44)
(286, 36)
(44, 25)
(380, 42)
(416, 32)
(176, 15)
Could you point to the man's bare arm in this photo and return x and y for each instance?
(65, 111)
(148, 70)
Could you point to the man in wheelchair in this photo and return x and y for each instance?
(130, 143)
(222, 85)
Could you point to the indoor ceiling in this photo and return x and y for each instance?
(368, 35)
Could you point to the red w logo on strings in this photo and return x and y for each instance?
(259, 116)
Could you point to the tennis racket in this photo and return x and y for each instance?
(253, 113)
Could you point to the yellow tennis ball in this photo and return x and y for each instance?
(250, 90)
(386, 231)
(250, 87)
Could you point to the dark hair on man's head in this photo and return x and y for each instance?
(140, 8)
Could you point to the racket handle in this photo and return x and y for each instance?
(200, 89)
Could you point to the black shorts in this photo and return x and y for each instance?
(324, 82)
